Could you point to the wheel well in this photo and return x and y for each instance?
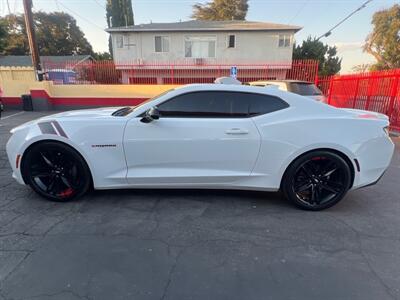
(341, 154)
(22, 166)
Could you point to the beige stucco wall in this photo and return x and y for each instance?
(25, 74)
(251, 47)
(14, 88)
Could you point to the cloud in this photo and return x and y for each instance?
(348, 46)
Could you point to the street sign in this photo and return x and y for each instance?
(234, 71)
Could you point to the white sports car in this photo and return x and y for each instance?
(210, 136)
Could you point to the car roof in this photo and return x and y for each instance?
(288, 97)
(223, 87)
(284, 81)
(295, 101)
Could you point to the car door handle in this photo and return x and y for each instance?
(236, 131)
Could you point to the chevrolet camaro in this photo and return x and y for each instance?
(212, 136)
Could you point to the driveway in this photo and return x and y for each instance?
(151, 244)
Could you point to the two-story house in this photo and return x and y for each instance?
(202, 43)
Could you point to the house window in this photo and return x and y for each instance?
(200, 46)
(126, 40)
(161, 43)
(231, 41)
(119, 40)
(284, 40)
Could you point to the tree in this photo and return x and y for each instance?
(102, 56)
(119, 13)
(384, 40)
(17, 41)
(328, 62)
(57, 34)
(3, 35)
(221, 10)
(361, 68)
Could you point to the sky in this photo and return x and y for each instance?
(315, 16)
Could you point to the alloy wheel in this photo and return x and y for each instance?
(318, 180)
(56, 171)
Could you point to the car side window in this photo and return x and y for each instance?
(220, 104)
(210, 104)
(260, 104)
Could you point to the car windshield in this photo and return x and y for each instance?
(152, 99)
(305, 89)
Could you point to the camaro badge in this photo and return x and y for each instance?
(104, 146)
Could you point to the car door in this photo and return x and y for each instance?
(202, 137)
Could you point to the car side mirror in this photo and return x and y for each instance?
(151, 115)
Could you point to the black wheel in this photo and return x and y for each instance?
(317, 180)
(56, 171)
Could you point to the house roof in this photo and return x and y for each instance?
(206, 26)
(26, 61)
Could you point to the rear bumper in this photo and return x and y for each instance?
(372, 183)
(374, 158)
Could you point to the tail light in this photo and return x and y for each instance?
(367, 116)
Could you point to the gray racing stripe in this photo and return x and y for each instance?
(59, 129)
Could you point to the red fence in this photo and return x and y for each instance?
(323, 83)
(375, 91)
(186, 72)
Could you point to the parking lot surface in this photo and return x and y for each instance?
(157, 244)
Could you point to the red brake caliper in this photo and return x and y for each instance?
(68, 192)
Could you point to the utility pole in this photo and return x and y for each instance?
(33, 47)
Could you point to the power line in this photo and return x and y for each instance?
(99, 4)
(298, 12)
(329, 32)
(58, 6)
(78, 15)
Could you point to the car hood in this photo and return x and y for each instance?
(83, 113)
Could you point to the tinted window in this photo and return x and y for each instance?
(263, 104)
(208, 104)
(305, 89)
(220, 104)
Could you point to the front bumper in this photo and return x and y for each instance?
(13, 149)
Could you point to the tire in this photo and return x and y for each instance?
(56, 171)
(317, 180)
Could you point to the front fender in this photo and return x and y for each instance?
(22, 139)
(99, 141)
